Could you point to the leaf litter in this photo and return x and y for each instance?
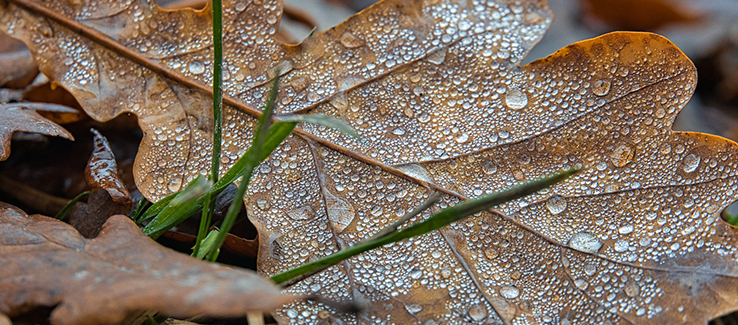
(436, 91)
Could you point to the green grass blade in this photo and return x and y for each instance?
(326, 120)
(253, 160)
(138, 212)
(208, 244)
(436, 221)
(64, 212)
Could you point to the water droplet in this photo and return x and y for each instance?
(263, 204)
(489, 168)
(601, 87)
(175, 184)
(691, 162)
(632, 289)
(340, 212)
(416, 273)
(377, 210)
(491, 253)
(621, 245)
(399, 131)
(516, 99)
(585, 242)
(556, 204)
(463, 137)
(350, 41)
(478, 312)
(436, 254)
(626, 229)
(196, 67)
(581, 284)
(509, 292)
(414, 308)
(302, 213)
(416, 171)
(622, 155)
(241, 6)
(437, 56)
(644, 241)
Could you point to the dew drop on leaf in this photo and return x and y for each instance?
(625, 229)
(585, 242)
(509, 292)
(556, 204)
(477, 312)
(516, 99)
(196, 67)
(621, 245)
(601, 87)
(622, 155)
(437, 57)
(414, 308)
(691, 162)
(350, 41)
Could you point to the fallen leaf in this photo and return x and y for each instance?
(645, 15)
(436, 91)
(102, 170)
(103, 280)
(24, 117)
(17, 68)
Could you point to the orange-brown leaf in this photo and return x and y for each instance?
(436, 90)
(46, 263)
(24, 117)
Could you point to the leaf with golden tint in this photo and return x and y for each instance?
(46, 263)
(437, 93)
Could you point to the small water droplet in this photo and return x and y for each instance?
(489, 168)
(399, 131)
(632, 289)
(241, 6)
(414, 308)
(625, 229)
(416, 273)
(516, 99)
(601, 87)
(175, 184)
(581, 284)
(691, 162)
(585, 242)
(509, 292)
(196, 67)
(621, 245)
(416, 171)
(340, 212)
(437, 56)
(556, 204)
(350, 40)
(491, 253)
(302, 213)
(622, 155)
(463, 137)
(477, 312)
(263, 204)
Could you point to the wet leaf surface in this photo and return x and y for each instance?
(437, 92)
(103, 280)
(24, 117)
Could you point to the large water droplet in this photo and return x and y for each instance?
(350, 41)
(462, 137)
(691, 162)
(516, 99)
(489, 168)
(302, 213)
(437, 56)
(622, 155)
(509, 292)
(175, 184)
(414, 308)
(196, 67)
(556, 204)
(478, 312)
(416, 171)
(340, 212)
(601, 87)
(625, 229)
(632, 289)
(621, 245)
(585, 242)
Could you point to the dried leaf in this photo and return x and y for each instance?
(645, 15)
(24, 117)
(103, 280)
(102, 170)
(17, 68)
(436, 91)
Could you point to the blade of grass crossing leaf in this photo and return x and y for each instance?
(68, 207)
(138, 212)
(277, 133)
(179, 207)
(326, 120)
(208, 244)
(436, 221)
(209, 204)
(253, 160)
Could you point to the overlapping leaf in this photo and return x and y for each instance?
(436, 90)
(24, 117)
(46, 263)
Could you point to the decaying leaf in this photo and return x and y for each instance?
(23, 117)
(102, 170)
(436, 90)
(102, 280)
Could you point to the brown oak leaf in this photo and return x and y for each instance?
(436, 90)
(103, 280)
(23, 117)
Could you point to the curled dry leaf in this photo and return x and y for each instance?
(23, 117)
(436, 90)
(103, 280)
(102, 170)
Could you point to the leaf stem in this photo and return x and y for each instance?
(436, 221)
